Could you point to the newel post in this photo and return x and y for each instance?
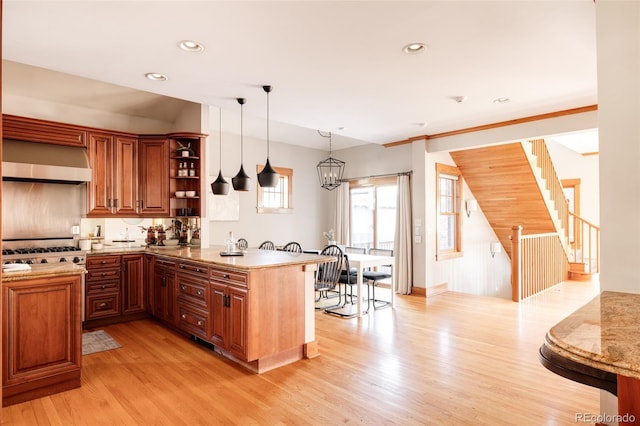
(516, 273)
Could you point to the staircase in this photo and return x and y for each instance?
(516, 186)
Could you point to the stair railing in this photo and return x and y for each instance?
(585, 247)
(552, 182)
(538, 262)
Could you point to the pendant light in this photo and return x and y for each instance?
(330, 170)
(268, 177)
(241, 181)
(220, 186)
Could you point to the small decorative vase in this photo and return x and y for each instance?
(185, 153)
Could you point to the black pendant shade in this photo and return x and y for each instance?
(268, 177)
(220, 186)
(241, 181)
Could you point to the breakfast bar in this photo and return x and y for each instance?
(599, 345)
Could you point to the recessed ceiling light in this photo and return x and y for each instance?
(156, 76)
(414, 48)
(501, 100)
(191, 46)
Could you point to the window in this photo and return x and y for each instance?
(277, 199)
(448, 200)
(373, 212)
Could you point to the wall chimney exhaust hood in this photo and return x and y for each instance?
(43, 162)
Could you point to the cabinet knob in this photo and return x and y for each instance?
(197, 269)
(199, 292)
(104, 274)
(184, 316)
(181, 266)
(200, 322)
(103, 287)
(225, 276)
(103, 262)
(183, 287)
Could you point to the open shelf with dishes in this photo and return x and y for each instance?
(187, 150)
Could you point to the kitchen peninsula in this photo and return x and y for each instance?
(256, 309)
(599, 345)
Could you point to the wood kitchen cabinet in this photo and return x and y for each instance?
(114, 288)
(41, 337)
(185, 172)
(130, 175)
(113, 189)
(163, 289)
(229, 310)
(193, 299)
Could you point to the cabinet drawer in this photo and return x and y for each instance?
(195, 269)
(112, 286)
(94, 262)
(165, 263)
(193, 321)
(193, 290)
(227, 276)
(103, 275)
(103, 306)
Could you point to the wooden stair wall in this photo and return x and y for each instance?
(503, 182)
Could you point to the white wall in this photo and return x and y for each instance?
(476, 272)
(311, 205)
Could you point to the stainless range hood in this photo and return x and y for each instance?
(43, 162)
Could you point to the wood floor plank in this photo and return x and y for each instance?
(450, 359)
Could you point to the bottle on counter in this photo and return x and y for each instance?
(231, 243)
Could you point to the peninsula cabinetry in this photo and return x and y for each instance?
(193, 299)
(41, 337)
(229, 310)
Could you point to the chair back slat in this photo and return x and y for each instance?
(267, 245)
(292, 247)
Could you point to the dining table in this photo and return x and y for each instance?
(366, 261)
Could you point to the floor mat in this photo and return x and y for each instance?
(98, 341)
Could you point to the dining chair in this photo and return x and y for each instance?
(358, 250)
(373, 277)
(242, 244)
(292, 247)
(349, 280)
(327, 276)
(267, 245)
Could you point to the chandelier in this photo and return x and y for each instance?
(330, 169)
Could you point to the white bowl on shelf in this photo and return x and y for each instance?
(180, 194)
(190, 193)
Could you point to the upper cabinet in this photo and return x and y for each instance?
(32, 130)
(114, 164)
(187, 150)
(130, 176)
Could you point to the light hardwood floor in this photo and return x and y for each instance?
(452, 360)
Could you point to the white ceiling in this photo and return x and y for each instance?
(334, 65)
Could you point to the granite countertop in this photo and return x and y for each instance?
(44, 270)
(603, 334)
(251, 259)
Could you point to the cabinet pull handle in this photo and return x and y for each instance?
(199, 292)
(164, 281)
(102, 305)
(103, 262)
(184, 316)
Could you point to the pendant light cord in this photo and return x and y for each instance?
(241, 133)
(220, 135)
(267, 125)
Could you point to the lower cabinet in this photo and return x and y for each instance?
(163, 291)
(41, 337)
(193, 299)
(114, 288)
(229, 310)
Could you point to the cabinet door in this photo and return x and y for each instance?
(42, 329)
(164, 294)
(126, 175)
(217, 314)
(237, 317)
(100, 192)
(154, 177)
(132, 285)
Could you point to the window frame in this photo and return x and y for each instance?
(283, 172)
(456, 252)
(374, 182)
